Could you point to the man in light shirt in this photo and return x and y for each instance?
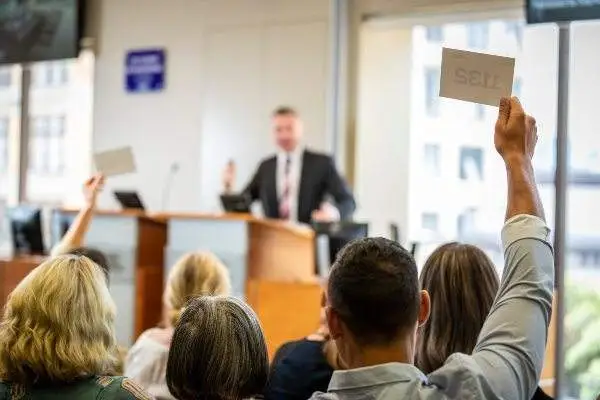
(375, 306)
(295, 183)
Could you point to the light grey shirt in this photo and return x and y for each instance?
(507, 360)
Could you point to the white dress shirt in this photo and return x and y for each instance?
(294, 178)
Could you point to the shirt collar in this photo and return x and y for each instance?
(375, 375)
(294, 155)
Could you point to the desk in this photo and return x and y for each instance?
(13, 270)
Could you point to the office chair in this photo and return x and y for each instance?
(331, 237)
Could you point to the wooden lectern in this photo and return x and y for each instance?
(252, 248)
(134, 244)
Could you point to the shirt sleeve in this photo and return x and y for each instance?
(511, 346)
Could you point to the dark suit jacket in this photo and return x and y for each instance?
(318, 178)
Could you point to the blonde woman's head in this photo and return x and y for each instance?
(58, 324)
(195, 274)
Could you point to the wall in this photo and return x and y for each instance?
(383, 126)
(230, 62)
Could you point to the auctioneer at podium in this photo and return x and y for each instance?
(295, 183)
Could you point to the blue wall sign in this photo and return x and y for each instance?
(145, 70)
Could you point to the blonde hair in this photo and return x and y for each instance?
(195, 274)
(58, 324)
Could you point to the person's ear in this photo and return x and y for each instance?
(424, 307)
(333, 322)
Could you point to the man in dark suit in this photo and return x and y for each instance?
(295, 183)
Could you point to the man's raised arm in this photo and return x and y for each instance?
(511, 346)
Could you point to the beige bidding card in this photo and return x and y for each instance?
(476, 77)
(115, 162)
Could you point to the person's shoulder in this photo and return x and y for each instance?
(318, 158)
(323, 396)
(120, 388)
(267, 160)
(161, 336)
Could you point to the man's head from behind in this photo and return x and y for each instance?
(287, 128)
(375, 302)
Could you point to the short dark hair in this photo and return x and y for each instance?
(374, 288)
(95, 255)
(285, 111)
(218, 351)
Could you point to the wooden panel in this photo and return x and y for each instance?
(287, 311)
(12, 271)
(152, 238)
(278, 253)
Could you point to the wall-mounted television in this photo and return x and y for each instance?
(39, 30)
(539, 11)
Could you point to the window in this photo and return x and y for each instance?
(429, 221)
(431, 158)
(5, 77)
(516, 89)
(51, 73)
(471, 164)
(46, 153)
(434, 33)
(479, 111)
(478, 35)
(465, 222)
(3, 145)
(432, 90)
(515, 28)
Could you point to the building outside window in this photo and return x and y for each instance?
(432, 90)
(430, 221)
(471, 164)
(434, 33)
(517, 87)
(47, 145)
(431, 159)
(479, 111)
(50, 74)
(515, 29)
(5, 77)
(3, 145)
(478, 35)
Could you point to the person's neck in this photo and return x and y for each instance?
(396, 352)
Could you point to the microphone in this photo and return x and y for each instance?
(167, 186)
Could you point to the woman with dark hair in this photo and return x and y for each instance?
(462, 283)
(218, 351)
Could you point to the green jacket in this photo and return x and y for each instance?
(97, 388)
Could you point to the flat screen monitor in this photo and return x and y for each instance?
(39, 30)
(26, 230)
(539, 11)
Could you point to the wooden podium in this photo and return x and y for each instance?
(134, 244)
(252, 248)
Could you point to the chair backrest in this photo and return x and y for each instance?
(331, 237)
